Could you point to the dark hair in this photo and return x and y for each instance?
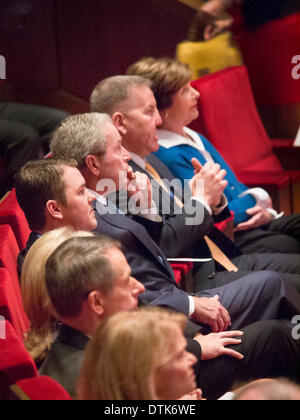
(38, 182)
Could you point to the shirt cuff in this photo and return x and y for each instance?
(275, 214)
(151, 214)
(191, 306)
(216, 210)
(261, 196)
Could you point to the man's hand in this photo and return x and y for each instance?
(259, 218)
(209, 178)
(209, 311)
(139, 187)
(214, 345)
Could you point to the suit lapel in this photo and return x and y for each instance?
(125, 223)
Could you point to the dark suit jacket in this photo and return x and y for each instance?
(65, 358)
(178, 239)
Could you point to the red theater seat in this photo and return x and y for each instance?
(8, 259)
(12, 214)
(10, 307)
(41, 388)
(229, 119)
(15, 362)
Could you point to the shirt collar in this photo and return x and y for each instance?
(169, 139)
(138, 160)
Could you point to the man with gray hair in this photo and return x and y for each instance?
(135, 114)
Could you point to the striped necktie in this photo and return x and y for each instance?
(217, 254)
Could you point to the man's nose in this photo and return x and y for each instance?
(125, 154)
(159, 120)
(137, 287)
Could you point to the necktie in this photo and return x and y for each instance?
(217, 254)
(157, 178)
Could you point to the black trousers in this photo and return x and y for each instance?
(281, 235)
(24, 134)
(270, 352)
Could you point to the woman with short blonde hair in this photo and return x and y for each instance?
(36, 300)
(138, 355)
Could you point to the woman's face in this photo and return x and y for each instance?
(176, 377)
(184, 108)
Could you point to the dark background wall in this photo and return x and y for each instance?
(57, 50)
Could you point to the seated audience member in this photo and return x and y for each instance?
(131, 104)
(52, 193)
(37, 304)
(88, 279)
(24, 134)
(269, 391)
(258, 339)
(258, 226)
(152, 365)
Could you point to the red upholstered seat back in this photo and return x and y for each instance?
(8, 259)
(10, 307)
(268, 51)
(229, 119)
(15, 361)
(41, 388)
(12, 214)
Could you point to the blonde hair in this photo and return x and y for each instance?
(36, 299)
(79, 136)
(124, 353)
(167, 75)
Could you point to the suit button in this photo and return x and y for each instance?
(211, 276)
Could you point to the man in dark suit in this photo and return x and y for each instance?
(132, 107)
(66, 356)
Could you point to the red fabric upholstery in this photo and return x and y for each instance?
(15, 361)
(177, 275)
(10, 307)
(268, 51)
(229, 119)
(12, 214)
(41, 388)
(181, 271)
(8, 259)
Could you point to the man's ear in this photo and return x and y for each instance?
(93, 165)
(120, 122)
(54, 210)
(96, 302)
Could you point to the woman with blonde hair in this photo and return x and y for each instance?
(36, 300)
(138, 355)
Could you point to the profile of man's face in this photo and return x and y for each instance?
(77, 211)
(125, 291)
(114, 164)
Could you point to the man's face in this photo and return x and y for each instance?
(141, 121)
(77, 212)
(114, 164)
(125, 291)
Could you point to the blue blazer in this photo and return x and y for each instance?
(178, 160)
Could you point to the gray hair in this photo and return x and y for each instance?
(79, 136)
(113, 91)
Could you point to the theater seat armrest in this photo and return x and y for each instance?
(288, 155)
